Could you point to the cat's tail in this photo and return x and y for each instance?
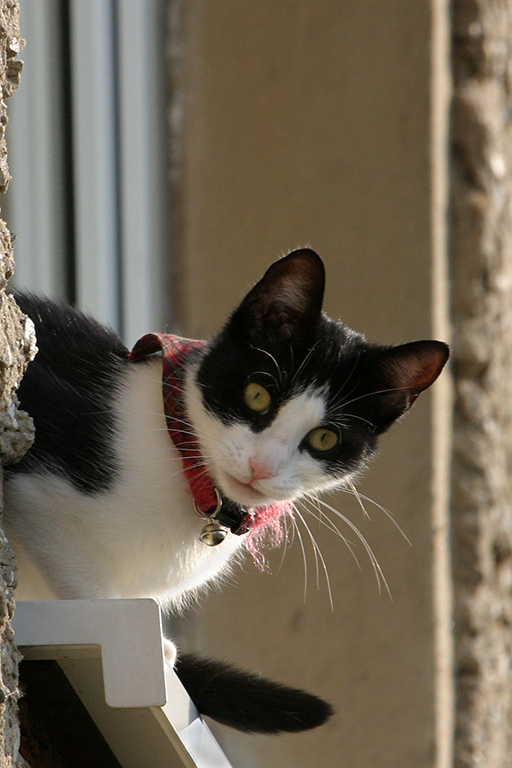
(247, 701)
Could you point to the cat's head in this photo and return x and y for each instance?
(288, 401)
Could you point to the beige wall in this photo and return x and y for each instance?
(317, 122)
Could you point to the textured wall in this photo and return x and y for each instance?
(16, 348)
(482, 316)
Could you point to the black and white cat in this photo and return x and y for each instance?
(132, 448)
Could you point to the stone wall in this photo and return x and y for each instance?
(482, 316)
(16, 349)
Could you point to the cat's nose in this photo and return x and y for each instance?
(259, 471)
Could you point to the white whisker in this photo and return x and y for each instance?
(379, 575)
(328, 523)
(286, 540)
(338, 392)
(318, 556)
(304, 558)
(278, 367)
(375, 392)
(304, 362)
(361, 496)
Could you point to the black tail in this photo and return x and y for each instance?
(246, 701)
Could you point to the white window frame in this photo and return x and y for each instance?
(120, 190)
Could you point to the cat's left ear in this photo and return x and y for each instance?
(401, 374)
(285, 305)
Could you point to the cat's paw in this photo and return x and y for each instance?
(170, 651)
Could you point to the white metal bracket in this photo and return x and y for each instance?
(111, 651)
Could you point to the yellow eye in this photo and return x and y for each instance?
(257, 398)
(322, 439)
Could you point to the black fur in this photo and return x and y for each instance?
(247, 701)
(68, 391)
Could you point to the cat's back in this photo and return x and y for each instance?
(70, 342)
(69, 389)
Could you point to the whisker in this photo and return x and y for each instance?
(304, 362)
(337, 394)
(278, 367)
(379, 575)
(360, 496)
(301, 518)
(327, 522)
(351, 416)
(376, 392)
(286, 540)
(266, 373)
(318, 555)
(304, 558)
(352, 488)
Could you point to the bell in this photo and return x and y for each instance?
(213, 533)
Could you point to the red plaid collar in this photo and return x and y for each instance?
(176, 351)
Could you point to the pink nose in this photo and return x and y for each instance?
(259, 471)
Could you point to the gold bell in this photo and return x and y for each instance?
(213, 533)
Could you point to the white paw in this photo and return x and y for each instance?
(170, 651)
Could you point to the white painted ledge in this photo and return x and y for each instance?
(111, 651)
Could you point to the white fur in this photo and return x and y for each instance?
(231, 448)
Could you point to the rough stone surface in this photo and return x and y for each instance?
(482, 314)
(16, 349)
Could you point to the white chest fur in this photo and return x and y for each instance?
(139, 539)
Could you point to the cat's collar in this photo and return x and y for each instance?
(223, 514)
(220, 522)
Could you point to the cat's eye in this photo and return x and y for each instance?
(322, 439)
(257, 398)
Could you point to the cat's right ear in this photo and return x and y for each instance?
(285, 305)
(400, 374)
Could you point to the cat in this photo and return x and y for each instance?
(153, 471)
